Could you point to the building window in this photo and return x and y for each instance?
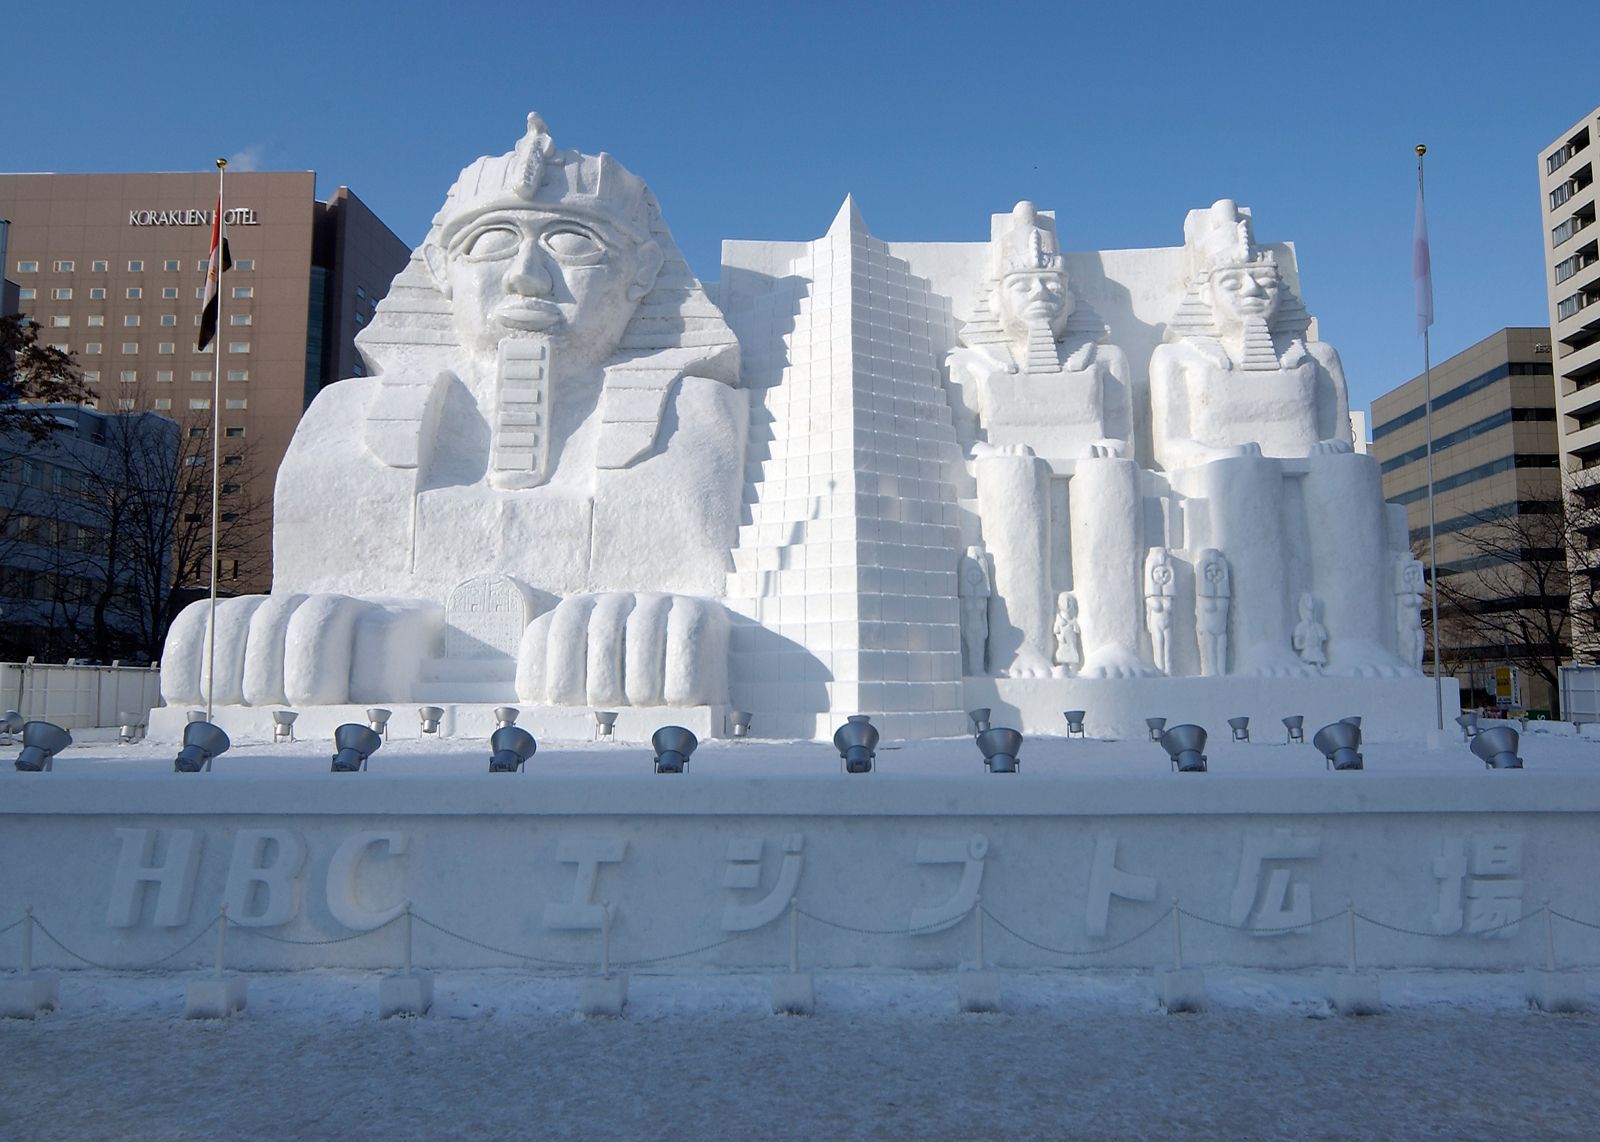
(99, 266)
(238, 346)
(27, 294)
(245, 264)
(136, 266)
(241, 319)
(357, 370)
(169, 293)
(166, 347)
(236, 403)
(60, 346)
(199, 294)
(92, 376)
(238, 374)
(130, 346)
(125, 404)
(170, 264)
(161, 404)
(95, 320)
(360, 320)
(200, 375)
(228, 568)
(27, 267)
(198, 432)
(198, 403)
(60, 322)
(233, 430)
(66, 267)
(91, 348)
(232, 461)
(134, 293)
(131, 320)
(97, 293)
(164, 376)
(244, 291)
(230, 489)
(203, 265)
(169, 319)
(130, 376)
(61, 293)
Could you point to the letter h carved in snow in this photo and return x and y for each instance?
(173, 877)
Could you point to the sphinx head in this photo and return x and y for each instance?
(1231, 276)
(544, 243)
(1031, 286)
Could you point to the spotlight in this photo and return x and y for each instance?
(1240, 728)
(202, 742)
(1074, 722)
(605, 723)
(283, 725)
(1497, 747)
(1295, 725)
(673, 745)
(1469, 725)
(856, 742)
(1156, 726)
(1338, 743)
(429, 717)
(505, 716)
(197, 715)
(11, 724)
(41, 741)
(1183, 744)
(511, 747)
(131, 722)
(980, 719)
(1000, 748)
(355, 744)
(378, 720)
(1353, 720)
(740, 720)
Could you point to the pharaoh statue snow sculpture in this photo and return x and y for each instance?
(1040, 398)
(554, 430)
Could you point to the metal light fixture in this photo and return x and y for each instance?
(283, 725)
(130, 726)
(1156, 726)
(11, 724)
(673, 745)
(1338, 743)
(511, 747)
(980, 719)
(1295, 726)
(1496, 746)
(505, 716)
(1469, 725)
(355, 744)
(197, 715)
(1074, 722)
(202, 742)
(605, 724)
(1352, 720)
(41, 741)
(1240, 728)
(378, 719)
(740, 721)
(1183, 745)
(429, 717)
(857, 743)
(1000, 747)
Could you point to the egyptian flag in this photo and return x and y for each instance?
(220, 261)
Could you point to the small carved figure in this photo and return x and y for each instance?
(1069, 653)
(1158, 600)
(1410, 582)
(975, 585)
(1310, 636)
(1212, 598)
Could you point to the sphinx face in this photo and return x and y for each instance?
(1030, 296)
(1240, 292)
(526, 273)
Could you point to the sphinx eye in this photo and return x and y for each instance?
(493, 242)
(572, 244)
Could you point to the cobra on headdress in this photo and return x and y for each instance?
(1025, 245)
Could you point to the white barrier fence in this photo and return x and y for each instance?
(79, 697)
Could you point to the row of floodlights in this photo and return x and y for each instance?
(429, 717)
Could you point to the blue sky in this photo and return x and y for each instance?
(753, 121)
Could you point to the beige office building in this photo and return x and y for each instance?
(1495, 459)
(112, 267)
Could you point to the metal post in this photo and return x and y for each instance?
(27, 940)
(605, 939)
(977, 908)
(408, 937)
(1549, 940)
(222, 935)
(1350, 917)
(794, 935)
(1177, 937)
(1427, 415)
(216, 446)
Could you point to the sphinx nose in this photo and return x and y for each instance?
(528, 274)
(1252, 288)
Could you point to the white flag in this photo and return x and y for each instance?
(1422, 268)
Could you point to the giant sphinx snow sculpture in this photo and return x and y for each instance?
(850, 477)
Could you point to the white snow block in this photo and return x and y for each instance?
(24, 996)
(978, 991)
(602, 994)
(1354, 993)
(214, 998)
(405, 993)
(793, 993)
(1557, 990)
(1183, 991)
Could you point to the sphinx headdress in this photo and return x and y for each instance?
(1222, 236)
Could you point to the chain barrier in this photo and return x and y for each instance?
(235, 926)
(1261, 931)
(15, 923)
(500, 951)
(679, 955)
(1141, 934)
(935, 927)
(1440, 935)
(1574, 920)
(174, 954)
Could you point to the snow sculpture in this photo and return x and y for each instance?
(1409, 583)
(1310, 636)
(975, 590)
(555, 403)
(1158, 600)
(1069, 656)
(1212, 596)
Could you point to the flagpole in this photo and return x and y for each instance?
(1427, 416)
(216, 445)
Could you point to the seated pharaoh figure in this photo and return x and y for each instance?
(1241, 376)
(1030, 369)
(538, 487)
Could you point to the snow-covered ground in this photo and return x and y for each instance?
(886, 1056)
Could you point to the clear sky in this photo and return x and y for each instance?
(753, 120)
